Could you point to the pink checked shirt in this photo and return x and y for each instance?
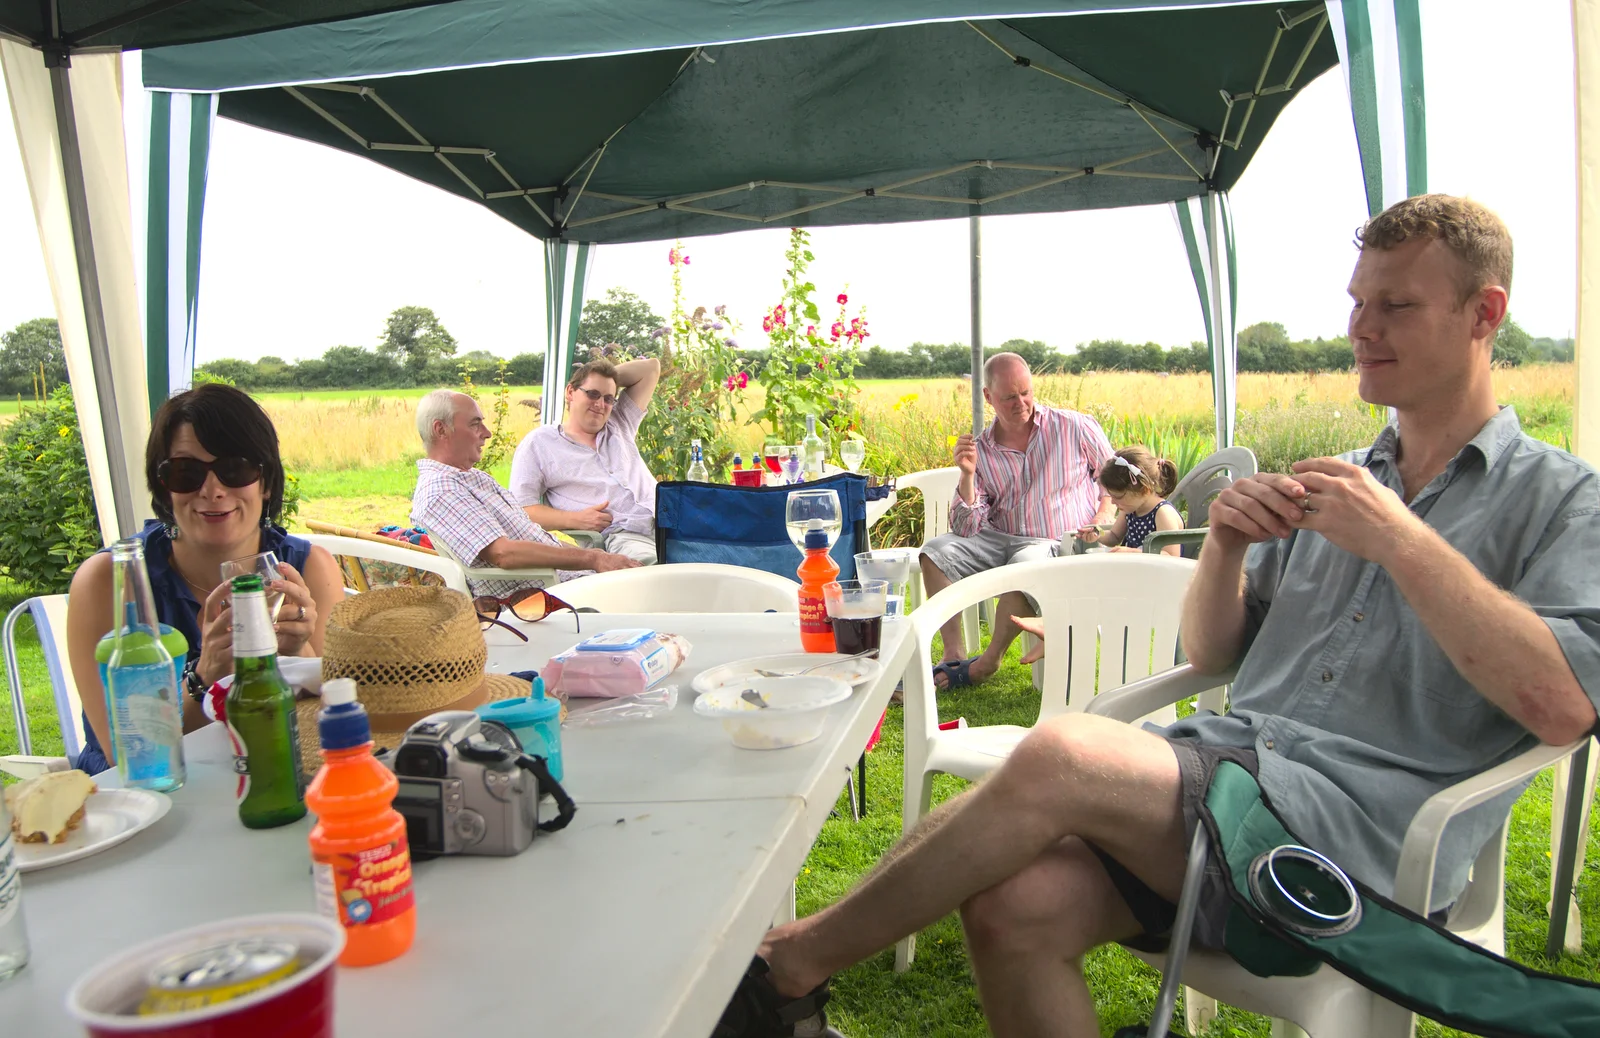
(469, 511)
(1047, 490)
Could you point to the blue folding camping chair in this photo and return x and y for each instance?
(744, 526)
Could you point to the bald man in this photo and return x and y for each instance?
(473, 515)
(1026, 480)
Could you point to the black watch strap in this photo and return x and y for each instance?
(193, 683)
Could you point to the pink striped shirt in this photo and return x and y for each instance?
(1046, 490)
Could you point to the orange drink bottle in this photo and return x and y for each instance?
(816, 630)
(359, 853)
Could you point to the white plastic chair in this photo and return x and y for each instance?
(1327, 1004)
(1108, 620)
(938, 487)
(684, 587)
(397, 554)
(49, 614)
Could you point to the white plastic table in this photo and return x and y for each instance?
(637, 919)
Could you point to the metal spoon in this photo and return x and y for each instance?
(819, 666)
(750, 695)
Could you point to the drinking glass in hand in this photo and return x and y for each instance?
(265, 566)
(856, 609)
(852, 453)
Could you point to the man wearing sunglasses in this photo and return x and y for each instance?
(476, 517)
(586, 473)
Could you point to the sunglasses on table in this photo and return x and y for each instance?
(527, 606)
(595, 394)
(186, 475)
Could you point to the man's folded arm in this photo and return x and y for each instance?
(1533, 651)
(506, 553)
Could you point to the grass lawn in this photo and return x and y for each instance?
(937, 996)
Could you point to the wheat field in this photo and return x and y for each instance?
(378, 429)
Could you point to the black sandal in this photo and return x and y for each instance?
(758, 1011)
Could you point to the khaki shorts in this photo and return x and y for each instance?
(958, 556)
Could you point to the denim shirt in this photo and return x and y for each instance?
(1355, 712)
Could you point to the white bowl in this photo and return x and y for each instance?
(796, 708)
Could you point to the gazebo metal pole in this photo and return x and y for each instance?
(975, 237)
(89, 286)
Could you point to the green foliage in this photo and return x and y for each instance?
(203, 378)
(48, 523)
(414, 335)
(1281, 436)
(526, 369)
(1512, 345)
(695, 398)
(621, 319)
(500, 443)
(32, 361)
(809, 371)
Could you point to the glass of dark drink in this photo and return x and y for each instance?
(856, 609)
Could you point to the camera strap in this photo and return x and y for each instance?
(565, 808)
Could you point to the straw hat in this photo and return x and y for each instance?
(412, 651)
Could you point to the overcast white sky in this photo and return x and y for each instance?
(307, 248)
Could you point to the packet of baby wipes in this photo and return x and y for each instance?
(616, 663)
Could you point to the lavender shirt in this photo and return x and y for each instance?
(551, 468)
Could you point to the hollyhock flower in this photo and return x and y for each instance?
(777, 311)
(744, 380)
(843, 299)
(822, 362)
(766, 323)
(811, 329)
(686, 259)
(838, 329)
(730, 383)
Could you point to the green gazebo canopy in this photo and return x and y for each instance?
(627, 120)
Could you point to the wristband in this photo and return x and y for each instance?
(193, 683)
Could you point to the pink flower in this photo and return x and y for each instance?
(729, 383)
(766, 323)
(811, 329)
(838, 329)
(686, 259)
(822, 362)
(843, 299)
(744, 380)
(777, 311)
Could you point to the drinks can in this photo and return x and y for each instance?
(260, 976)
(210, 976)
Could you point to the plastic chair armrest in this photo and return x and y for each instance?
(587, 538)
(1413, 880)
(493, 573)
(1138, 698)
(1162, 538)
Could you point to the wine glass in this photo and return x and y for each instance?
(852, 453)
(773, 454)
(265, 566)
(805, 507)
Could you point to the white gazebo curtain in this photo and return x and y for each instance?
(1206, 224)
(69, 129)
(566, 268)
(180, 153)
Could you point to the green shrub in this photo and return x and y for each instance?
(48, 523)
(1281, 436)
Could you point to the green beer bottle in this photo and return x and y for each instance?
(261, 717)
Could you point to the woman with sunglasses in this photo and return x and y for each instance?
(216, 484)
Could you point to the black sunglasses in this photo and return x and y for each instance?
(186, 475)
(595, 394)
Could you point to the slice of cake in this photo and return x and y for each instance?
(45, 808)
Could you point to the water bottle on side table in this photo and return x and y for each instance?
(359, 855)
(697, 467)
(141, 681)
(13, 932)
(261, 717)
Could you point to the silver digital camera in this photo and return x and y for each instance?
(466, 787)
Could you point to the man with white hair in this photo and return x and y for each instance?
(1026, 480)
(474, 516)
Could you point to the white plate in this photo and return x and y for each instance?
(851, 672)
(110, 816)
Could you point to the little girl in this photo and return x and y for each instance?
(1137, 482)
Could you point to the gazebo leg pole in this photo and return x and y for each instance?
(975, 237)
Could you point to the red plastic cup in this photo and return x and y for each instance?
(105, 999)
(747, 477)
